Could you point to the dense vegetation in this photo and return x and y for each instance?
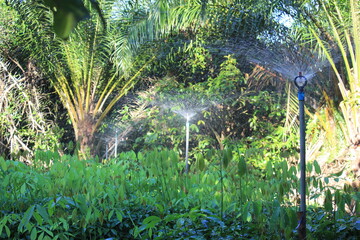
(145, 196)
(96, 95)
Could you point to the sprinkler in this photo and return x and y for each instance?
(300, 82)
(106, 151)
(116, 142)
(187, 143)
(187, 114)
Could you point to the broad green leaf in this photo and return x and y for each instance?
(338, 174)
(5, 182)
(41, 236)
(200, 162)
(309, 167)
(314, 181)
(328, 201)
(186, 203)
(88, 215)
(200, 122)
(269, 169)
(23, 189)
(136, 231)
(119, 216)
(257, 205)
(111, 213)
(150, 233)
(47, 231)
(172, 217)
(65, 224)
(140, 156)
(8, 233)
(64, 23)
(151, 221)
(26, 218)
(67, 13)
(42, 211)
(245, 211)
(3, 223)
(3, 164)
(38, 218)
(326, 180)
(160, 208)
(210, 153)
(194, 128)
(33, 234)
(50, 209)
(284, 167)
(317, 167)
(1, 227)
(248, 217)
(227, 157)
(281, 190)
(242, 169)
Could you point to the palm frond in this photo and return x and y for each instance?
(342, 24)
(292, 109)
(150, 23)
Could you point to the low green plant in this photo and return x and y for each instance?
(146, 195)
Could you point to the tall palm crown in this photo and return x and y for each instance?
(92, 69)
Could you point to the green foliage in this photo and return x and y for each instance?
(228, 82)
(228, 113)
(336, 37)
(146, 196)
(66, 15)
(247, 189)
(25, 122)
(198, 57)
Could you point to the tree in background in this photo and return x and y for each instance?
(92, 69)
(338, 34)
(26, 121)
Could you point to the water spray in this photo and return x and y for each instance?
(187, 106)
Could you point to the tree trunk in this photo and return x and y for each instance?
(85, 136)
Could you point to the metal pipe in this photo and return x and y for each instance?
(116, 142)
(106, 151)
(187, 146)
(302, 157)
(302, 220)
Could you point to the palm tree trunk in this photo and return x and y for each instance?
(84, 135)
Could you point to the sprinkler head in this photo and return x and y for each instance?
(300, 82)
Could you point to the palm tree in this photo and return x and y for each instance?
(92, 69)
(339, 32)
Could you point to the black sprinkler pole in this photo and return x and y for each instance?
(300, 82)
